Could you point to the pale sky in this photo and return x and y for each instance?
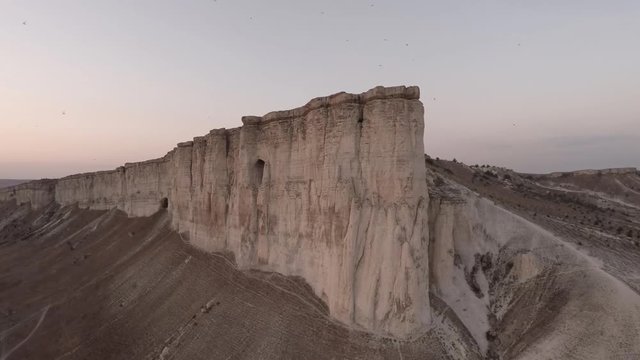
(536, 85)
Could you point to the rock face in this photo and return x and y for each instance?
(37, 193)
(334, 192)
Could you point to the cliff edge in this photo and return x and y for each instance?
(334, 191)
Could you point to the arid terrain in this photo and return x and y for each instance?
(321, 232)
(577, 296)
(82, 284)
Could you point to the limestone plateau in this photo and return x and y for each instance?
(321, 232)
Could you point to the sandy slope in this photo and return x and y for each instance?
(520, 268)
(79, 284)
(562, 281)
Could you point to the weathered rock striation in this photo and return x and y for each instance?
(334, 192)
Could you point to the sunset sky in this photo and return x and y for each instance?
(536, 86)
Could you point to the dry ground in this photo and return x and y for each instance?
(580, 296)
(561, 280)
(78, 284)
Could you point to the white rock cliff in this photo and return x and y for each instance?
(334, 192)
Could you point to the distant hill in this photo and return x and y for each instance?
(11, 182)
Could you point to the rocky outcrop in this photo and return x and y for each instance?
(334, 192)
(37, 193)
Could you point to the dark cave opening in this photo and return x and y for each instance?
(258, 172)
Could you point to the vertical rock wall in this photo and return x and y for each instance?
(334, 191)
(37, 193)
